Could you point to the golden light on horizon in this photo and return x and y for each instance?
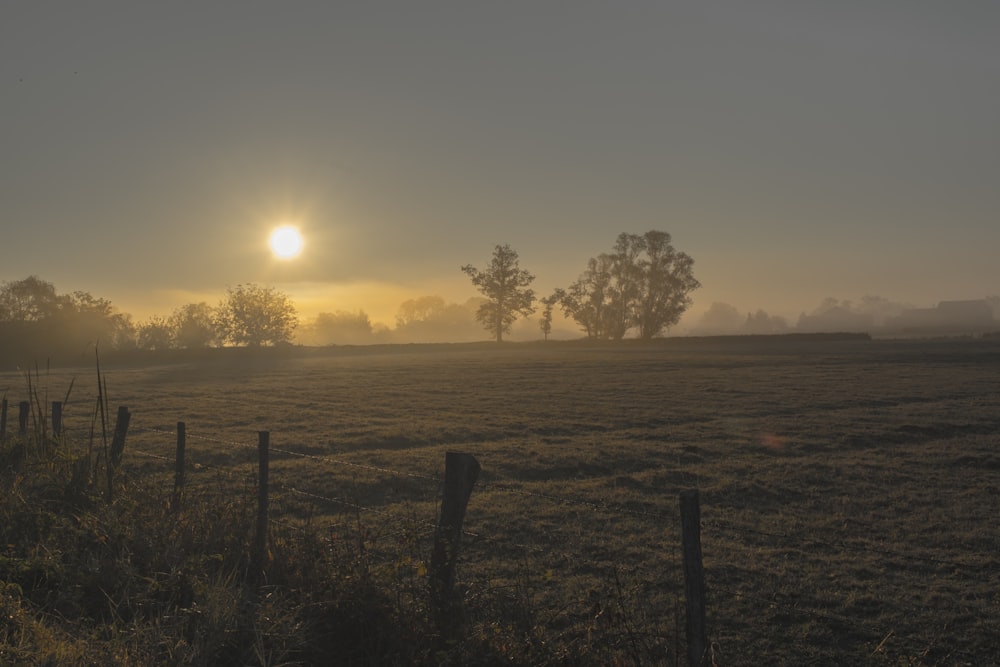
(286, 242)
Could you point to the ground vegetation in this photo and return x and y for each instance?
(847, 491)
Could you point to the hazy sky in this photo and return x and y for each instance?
(796, 150)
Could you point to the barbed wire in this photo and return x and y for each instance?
(204, 438)
(474, 536)
(511, 485)
(151, 455)
(616, 508)
(959, 566)
(350, 504)
(361, 466)
(963, 569)
(501, 484)
(795, 606)
(790, 605)
(313, 457)
(495, 483)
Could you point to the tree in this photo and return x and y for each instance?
(589, 300)
(30, 300)
(35, 320)
(429, 319)
(545, 323)
(666, 280)
(644, 284)
(193, 326)
(420, 309)
(253, 315)
(762, 323)
(155, 334)
(93, 319)
(994, 304)
(720, 319)
(339, 328)
(125, 334)
(505, 286)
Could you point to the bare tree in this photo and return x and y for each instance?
(505, 286)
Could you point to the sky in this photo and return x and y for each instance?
(796, 149)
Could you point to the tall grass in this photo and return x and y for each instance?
(88, 576)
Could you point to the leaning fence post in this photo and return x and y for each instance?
(22, 417)
(461, 471)
(56, 418)
(179, 466)
(258, 557)
(118, 440)
(3, 418)
(117, 446)
(694, 578)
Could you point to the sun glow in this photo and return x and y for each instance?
(286, 242)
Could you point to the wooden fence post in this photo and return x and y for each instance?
(56, 418)
(461, 472)
(179, 466)
(122, 421)
(3, 419)
(694, 578)
(118, 440)
(22, 418)
(258, 559)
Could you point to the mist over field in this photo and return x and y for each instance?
(870, 314)
(40, 323)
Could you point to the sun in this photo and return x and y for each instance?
(286, 242)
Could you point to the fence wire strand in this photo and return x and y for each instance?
(493, 483)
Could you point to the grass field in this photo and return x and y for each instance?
(850, 489)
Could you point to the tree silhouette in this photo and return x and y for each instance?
(35, 320)
(549, 303)
(505, 286)
(193, 326)
(666, 280)
(644, 284)
(155, 334)
(429, 319)
(253, 315)
(338, 328)
(589, 299)
(30, 300)
(419, 310)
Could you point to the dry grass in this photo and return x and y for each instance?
(850, 489)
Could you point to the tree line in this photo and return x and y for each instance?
(38, 322)
(642, 286)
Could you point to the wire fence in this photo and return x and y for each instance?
(581, 532)
(815, 607)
